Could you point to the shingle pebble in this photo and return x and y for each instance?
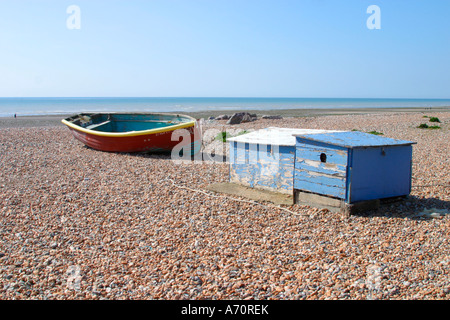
(76, 223)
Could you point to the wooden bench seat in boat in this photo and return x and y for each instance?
(93, 126)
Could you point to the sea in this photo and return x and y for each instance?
(63, 106)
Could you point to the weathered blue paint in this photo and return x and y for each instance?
(320, 188)
(333, 155)
(378, 173)
(316, 166)
(320, 178)
(321, 168)
(353, 166)
(262, 166)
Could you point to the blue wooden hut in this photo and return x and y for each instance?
(352, 166)
(346, 170)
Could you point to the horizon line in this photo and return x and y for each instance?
(212, 97)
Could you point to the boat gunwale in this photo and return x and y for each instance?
(132, 133)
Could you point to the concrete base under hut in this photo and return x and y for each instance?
(301, 198)
(339, 205)
(251, 193)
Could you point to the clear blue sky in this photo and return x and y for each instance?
(225, 48)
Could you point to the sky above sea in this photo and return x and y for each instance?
(225, 48)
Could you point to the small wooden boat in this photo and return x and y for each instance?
(135, 132)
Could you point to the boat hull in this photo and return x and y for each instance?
(186, 137)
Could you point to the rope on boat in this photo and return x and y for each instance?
(234, 199)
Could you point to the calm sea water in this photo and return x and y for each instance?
(45, 106)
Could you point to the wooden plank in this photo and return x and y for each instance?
(314, 153)
(319, 188)
(320, 178)
(313, 144)
(317, 166)
(94, 126)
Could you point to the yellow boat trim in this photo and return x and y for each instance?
(130, 133)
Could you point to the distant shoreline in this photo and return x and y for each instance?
(318, 112)
(55, 120)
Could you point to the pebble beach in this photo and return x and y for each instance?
(76, 223)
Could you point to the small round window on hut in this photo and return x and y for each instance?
(323, 157)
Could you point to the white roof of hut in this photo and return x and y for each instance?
(276, 136)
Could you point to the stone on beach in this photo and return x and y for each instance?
(241, 117)
(271, 117)
(222, 117)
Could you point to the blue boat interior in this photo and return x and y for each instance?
(126, 122)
